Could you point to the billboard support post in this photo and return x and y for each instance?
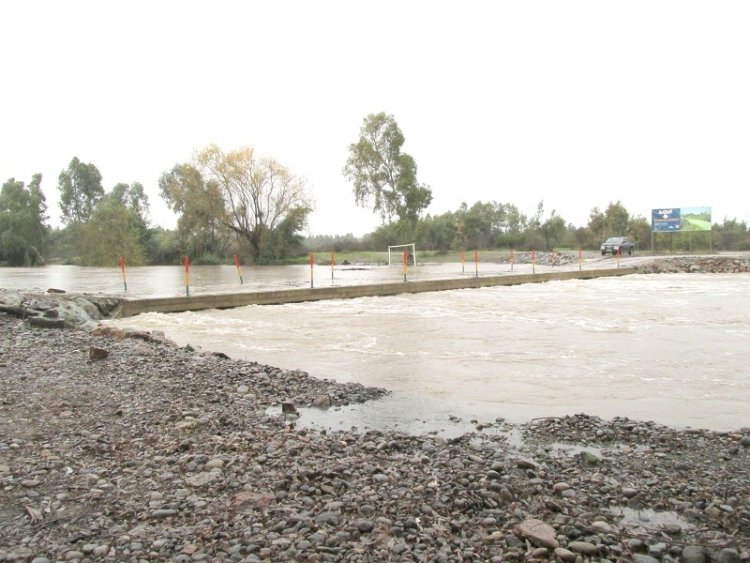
(685, 219)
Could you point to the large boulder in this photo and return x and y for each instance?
(73, 314)
(106, 305)
(10, 298)
(537, 532)
(59, 310)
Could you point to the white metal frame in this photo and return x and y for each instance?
(413, 253)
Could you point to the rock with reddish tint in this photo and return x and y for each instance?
(97, 354)
(245, 499)
(108, 332)
(537, 532)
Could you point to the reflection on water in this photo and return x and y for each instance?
(372, 416)
(170, 280)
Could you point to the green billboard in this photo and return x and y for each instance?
(695, 219)
(675, 219)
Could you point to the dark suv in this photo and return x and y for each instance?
(613, 245)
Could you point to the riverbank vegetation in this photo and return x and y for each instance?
(119, 224)
(239, 203)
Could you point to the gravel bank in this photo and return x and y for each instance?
(130, 449)
(696, 265)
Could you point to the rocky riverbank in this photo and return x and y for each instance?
(696, 264)
(123, 447)
(58, 309)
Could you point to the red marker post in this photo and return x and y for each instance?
(237, 265)
(121, 264)
(312, 265)
(533, 261)
(187, 275)
(476, 263)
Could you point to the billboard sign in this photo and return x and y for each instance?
(695, 219)
(675, 219)
(665, 219)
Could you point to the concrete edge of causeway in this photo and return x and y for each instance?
(132, 307)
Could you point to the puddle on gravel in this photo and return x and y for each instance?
(559, 449)
(370, 416)
(565, 449)
(648, 519)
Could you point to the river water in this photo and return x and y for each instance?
(148, 281)
(673, 348)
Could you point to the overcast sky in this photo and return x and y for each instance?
(574, 103)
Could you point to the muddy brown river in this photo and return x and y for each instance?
(670, 348)
(673, 348)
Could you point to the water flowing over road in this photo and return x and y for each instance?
(671, 348)
(166, 281)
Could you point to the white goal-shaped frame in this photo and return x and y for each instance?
(400, 260)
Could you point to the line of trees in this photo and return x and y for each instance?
(23, 223)
(228, 203)
(385, 179)
(493, 225)
(238, 202)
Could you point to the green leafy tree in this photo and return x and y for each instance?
(483, 225)
(384, 177)
(23, 218)
(478, 225)
(611, 222)
(551, 230)
(639, 229)
(516, 225)
(581, 237)
(134, 198)
(202, 217)
(614, 221)
(113, 230)
(732, 235)
(38, 217)
(164, 246)
(489, 225)
(438, 233)
(286, 240)
(80, 187)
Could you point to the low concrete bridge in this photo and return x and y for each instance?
(132, 307)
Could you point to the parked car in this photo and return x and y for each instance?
(613, 245)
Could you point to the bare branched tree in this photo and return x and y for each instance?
(259, 193)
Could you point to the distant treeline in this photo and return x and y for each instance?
(492, 225)
(237, 203)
